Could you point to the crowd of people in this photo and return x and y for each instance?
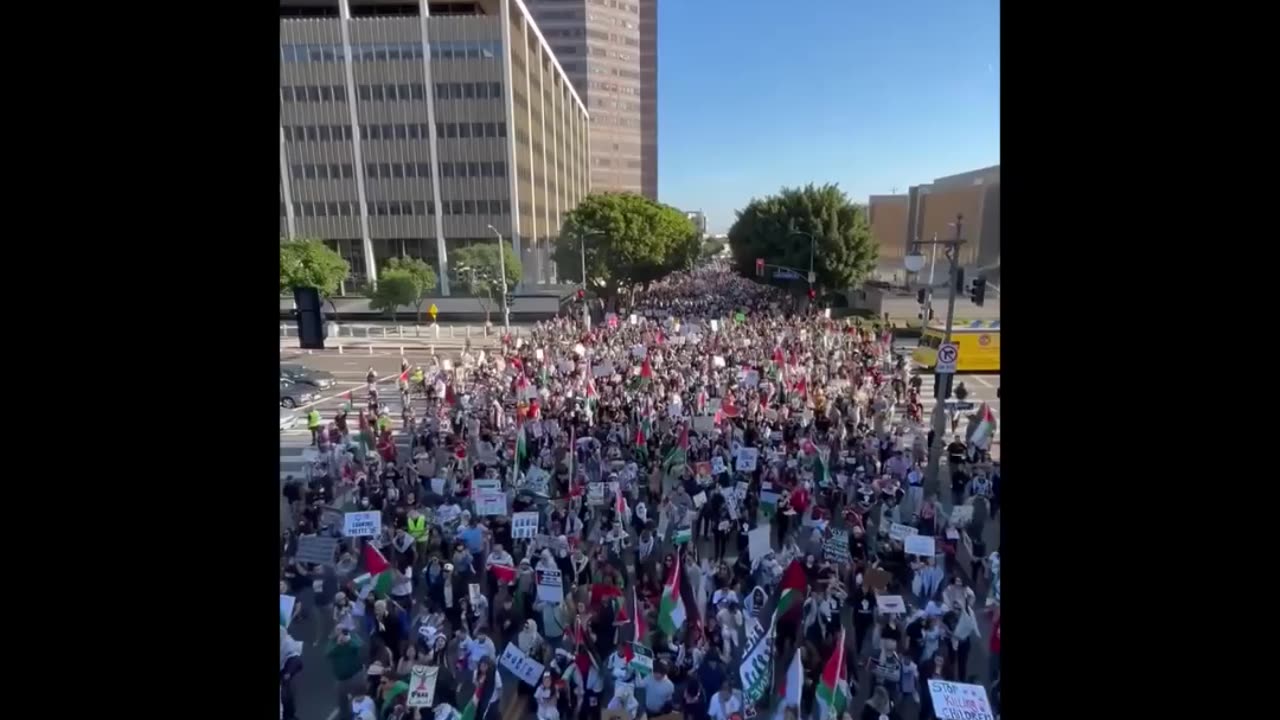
(672, 511)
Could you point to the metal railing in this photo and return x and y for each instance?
(398, 331)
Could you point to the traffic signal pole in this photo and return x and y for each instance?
(931, 483)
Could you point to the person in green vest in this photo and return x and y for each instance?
(313, 423)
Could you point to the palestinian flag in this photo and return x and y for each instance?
(643, 430)
(833, 690)
(646, 370)
(679, 454)
(792, 590)
(986, 429)
(504, 573)
(377, 572)
(346, 396)
(593, 397)
(469, 712)
(778, 360)
(671, 610)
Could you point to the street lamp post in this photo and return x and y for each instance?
(502, 271)
(812, 251)
(914, 263)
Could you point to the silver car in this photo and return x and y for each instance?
(294, 394)
(306, 376)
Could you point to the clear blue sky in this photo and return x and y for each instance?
(871, 94)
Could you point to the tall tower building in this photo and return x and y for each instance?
(609, 50)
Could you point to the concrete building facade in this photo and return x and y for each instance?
(929, 210)
(609, 50)
(414, 128)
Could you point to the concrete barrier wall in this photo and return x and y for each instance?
(530, 307)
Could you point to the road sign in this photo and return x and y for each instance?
(947, 355)
(813, 277)
(783, 274)
(959, 405)
(432, 311)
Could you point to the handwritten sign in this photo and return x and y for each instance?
(602, 370)
(422, 685)
(900, 532)
(362, 524)
(891, 604)
(959, 701)
(521, 665)
(524, 525)
(922, 545)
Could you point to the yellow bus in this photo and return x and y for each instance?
(978, 343)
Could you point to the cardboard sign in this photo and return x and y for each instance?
(892, 604)
(876, 579)
(747, 459)
(362, 524)
(922, 545)
(959, 701)
(317, 550)
(550, 587)
(900, 532)
(422, 686)
(836, 548)
(521, 665)
(524, 525)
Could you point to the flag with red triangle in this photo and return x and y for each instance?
(833, 689)
(646, 370)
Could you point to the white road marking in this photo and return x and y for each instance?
(984, 382)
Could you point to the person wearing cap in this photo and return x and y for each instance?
(447, 593)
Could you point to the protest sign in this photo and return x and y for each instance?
(699, 500)
(759, 542)
(488, 496)
(422, 686)
(639, 352)
(717, 465)
(595, 493)
(836, 548)
(717, 361)
(959, 701)
(473, 593)
(704, 423)
(750, 378)
(642, 662)
(437, 485)
(316, 549)
(521, 665)
(747, 458)
(536, 480)
(899, 532)
(362, 524)
(524, 525)
(446, 514)
(893, 604)
(741, 489)
(919, 545)
(602, 370)
(961, 515)
(702, 469)
(550, 588)
(287, 602)
(876, 579)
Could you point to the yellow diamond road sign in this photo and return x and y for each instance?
(432, 311)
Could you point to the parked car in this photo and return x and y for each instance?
(307, 376)
(288, 419)
(294, 394)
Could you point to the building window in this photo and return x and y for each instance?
(346, 171)
(495, 90)
(423, 170)
(468, 207)
(502, 129)
(473, 169)
(456, 207)
(499, 169)
(486, 169)
(464, 130)
(446, 169)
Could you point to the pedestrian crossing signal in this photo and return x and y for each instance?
(759, 267)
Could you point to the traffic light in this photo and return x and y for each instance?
(812, 294)
(978, 292)
(920, 296)
(759, 267)
(582, 295)
(511, 299)
(959, 280)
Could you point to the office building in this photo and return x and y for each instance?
(699, 221)
(449, 118)
(609, 48)
(929, 210)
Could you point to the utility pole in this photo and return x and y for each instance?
(502, 270)
(952, 248)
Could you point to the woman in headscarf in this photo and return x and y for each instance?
(529, 640)
(755, 602)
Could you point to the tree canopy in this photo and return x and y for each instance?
(424, 278)
(630, 241)
(844, 252)
(485, 281)
(311, 263)
(396, 287)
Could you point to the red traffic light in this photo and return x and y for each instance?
(812, 294)
(582, 294)
(759, 267)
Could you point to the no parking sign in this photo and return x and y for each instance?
(948, 353)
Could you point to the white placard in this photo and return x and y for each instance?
(717, 465)
(715, 326)
(899, 532)
(959, 701)
(634, 319)
(521, 665)
(921, 545)
(759, 543)
(362, 524)
(488, 496)
(422, 686)
(287, 602)
(473, 593)
(437, 485)
(704, 423)
(699, 500)
(550, 585)
(524, 525)
(595, 493)
(639, 352)
(750, 378)
(961, 514)
(893, 604)
(602, 370)
(717, 361)
(747, 458)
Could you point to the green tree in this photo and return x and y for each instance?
(478, 271)
(395, 288)
(710, 249)
(844, 252)
(423, 274)
(630, 242)
(311, 263)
